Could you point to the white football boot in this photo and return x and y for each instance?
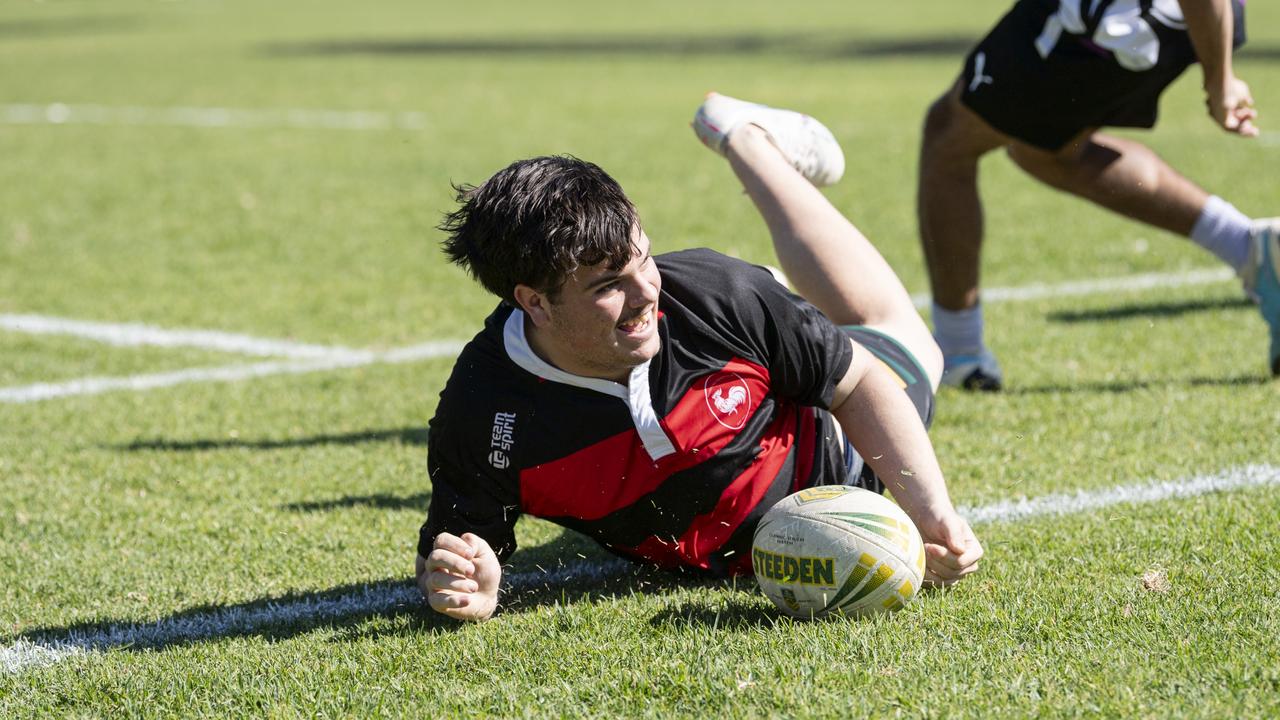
(806, 143)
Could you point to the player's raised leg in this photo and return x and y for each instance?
(949, 210)
(779, 155)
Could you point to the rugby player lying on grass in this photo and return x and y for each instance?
(660, 404)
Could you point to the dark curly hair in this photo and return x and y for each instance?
(536, 221)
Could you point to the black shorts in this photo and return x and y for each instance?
(915, 383)
(1034, 80)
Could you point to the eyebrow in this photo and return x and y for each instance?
(606, 279)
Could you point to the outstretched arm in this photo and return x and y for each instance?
(1210, 24)
(885, 429)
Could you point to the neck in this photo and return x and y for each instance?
(563, 360)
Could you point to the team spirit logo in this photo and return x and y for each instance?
(728, 399)
(503, 437)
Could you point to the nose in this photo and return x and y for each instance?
(644, 291)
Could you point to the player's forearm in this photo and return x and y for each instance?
(1210, 23)
(885, 429)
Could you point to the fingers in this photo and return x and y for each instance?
(450, 562)
(448, 601)
(456, 545)
(955, 556)
(1237, 112)
(460, 577)
(479, 547)
(440, 580)
(1244, 122)
(451, 604)
(944, 567)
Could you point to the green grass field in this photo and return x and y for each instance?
(244, 546)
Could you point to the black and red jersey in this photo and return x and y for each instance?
(674, 468)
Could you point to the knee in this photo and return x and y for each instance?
(1050, 168)
(939, 120)
(930, 357)
(949, 138)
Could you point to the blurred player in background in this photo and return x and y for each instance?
(1040, 85)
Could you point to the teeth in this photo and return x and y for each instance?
(636, 324)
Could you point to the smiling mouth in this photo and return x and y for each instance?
(638, 323)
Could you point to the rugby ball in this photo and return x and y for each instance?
(837, 550)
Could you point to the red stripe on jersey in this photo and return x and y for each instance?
(717, 407)
(805, 448)
(707, 533)
(617, 471)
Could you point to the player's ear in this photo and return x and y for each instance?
(533, 303)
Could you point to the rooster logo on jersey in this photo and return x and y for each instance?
(729, 405)
(728, 398)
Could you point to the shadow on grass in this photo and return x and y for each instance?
(738, 612)
(805, 45)
(1127, 386)
(380, 501)
(62, 26)
(405, 436)
(725, 614)
(1259, 52)
(558, 572)
(1150, 310)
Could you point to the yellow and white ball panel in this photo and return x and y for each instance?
(837, 549)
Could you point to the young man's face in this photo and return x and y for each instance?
(603, 322)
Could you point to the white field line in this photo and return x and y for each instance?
(1127, 283)
(35, 651)
(26, 654)
(227, 373)
(136, 334)
(1086, 500)
(317, 358)
(210, 117)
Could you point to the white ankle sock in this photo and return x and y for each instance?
(958, 332)
(1224, 231)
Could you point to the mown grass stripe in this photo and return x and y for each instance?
(226, 373)
(1125, 283)
(137, 334)
(331, 358)
(210, 117)
(36, 650)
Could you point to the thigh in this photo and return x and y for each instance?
(901, 362)
(911, 375)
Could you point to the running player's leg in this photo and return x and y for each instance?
(1128, 178)
(1121, 175)
(948, 206)
(827, 259)
(949, 211)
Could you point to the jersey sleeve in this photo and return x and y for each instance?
(805, 352)
(472, 488)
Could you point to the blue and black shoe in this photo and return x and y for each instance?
(1261, 278)
(978, 372)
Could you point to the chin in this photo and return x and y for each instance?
(648, 349)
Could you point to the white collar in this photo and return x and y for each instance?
(635, 393)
